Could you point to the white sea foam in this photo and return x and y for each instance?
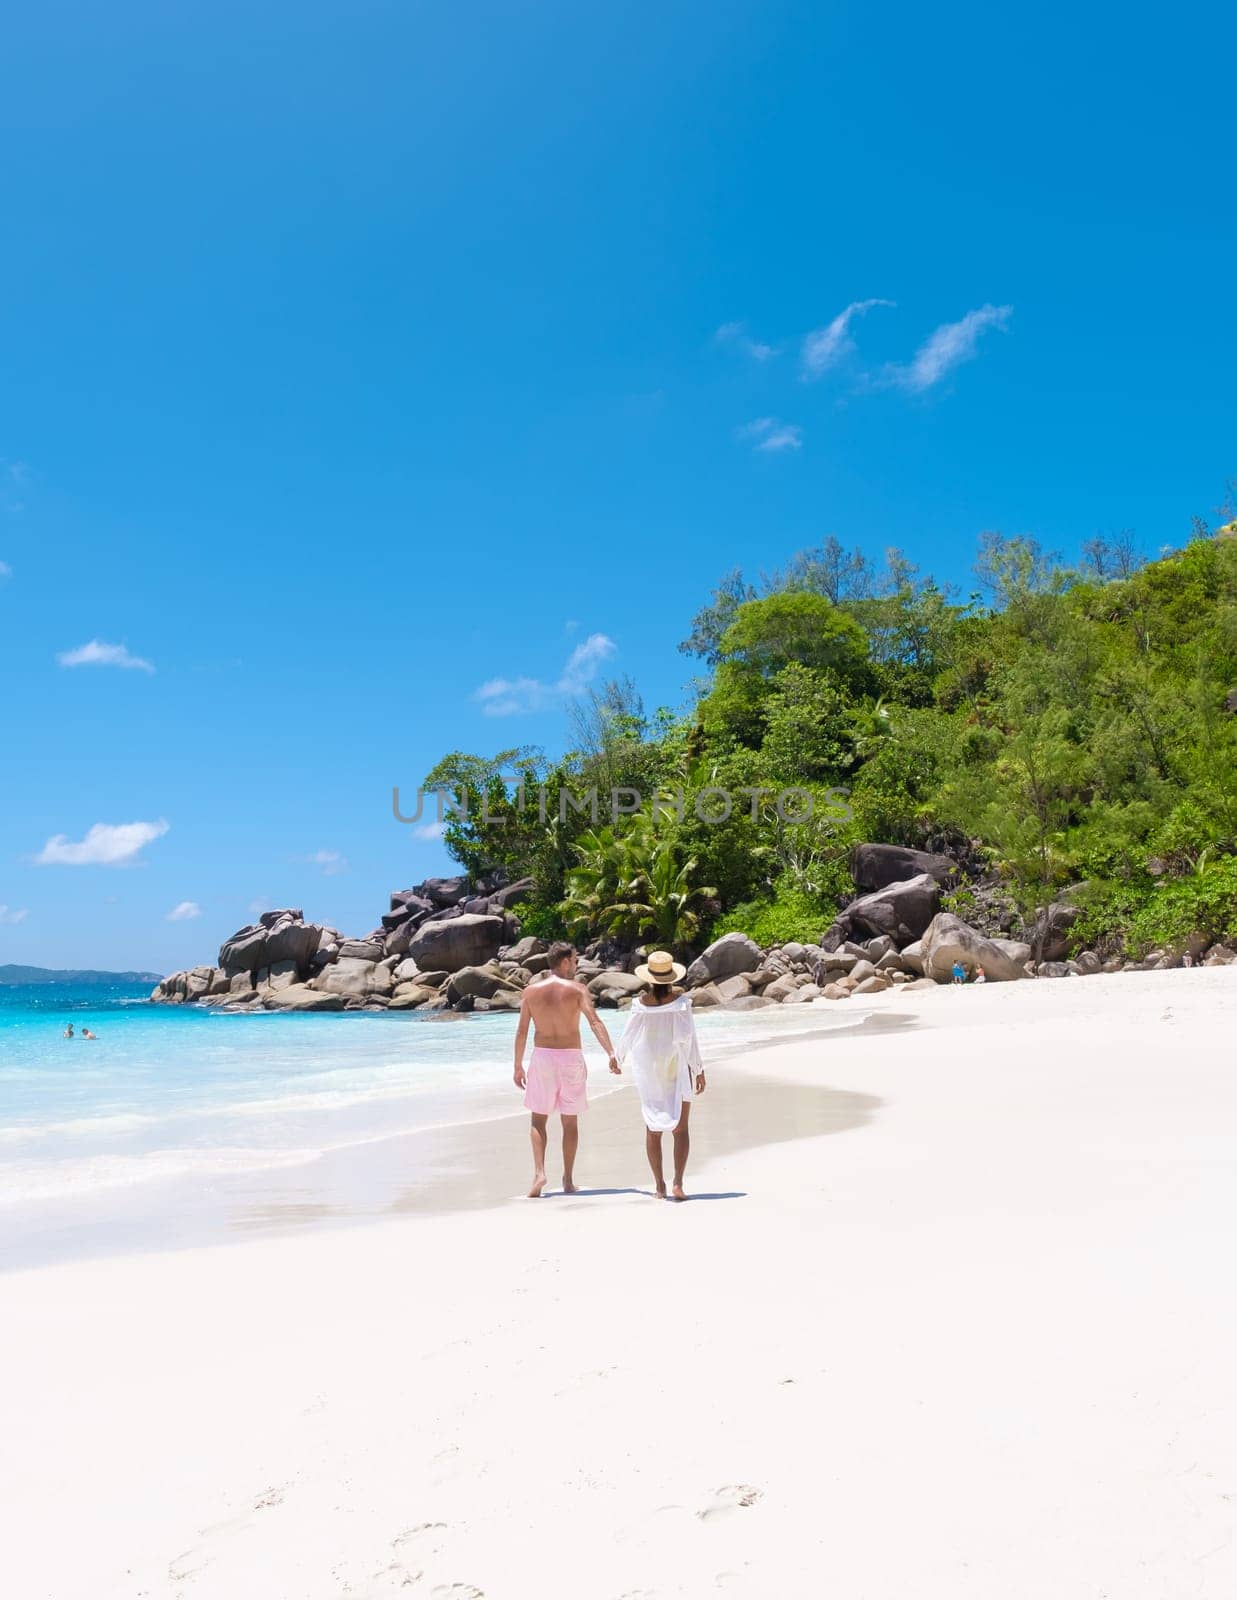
(62, 1180)
(77, 1127)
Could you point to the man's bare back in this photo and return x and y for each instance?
(554, 1006)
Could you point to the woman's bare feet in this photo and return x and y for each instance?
(678, 1192)
(660, 1191)
(569, 1187)
(539, 1182)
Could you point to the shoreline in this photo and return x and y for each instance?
(463, 1164)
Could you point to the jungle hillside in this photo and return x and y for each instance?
(1060, 732)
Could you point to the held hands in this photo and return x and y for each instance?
(614, 1066)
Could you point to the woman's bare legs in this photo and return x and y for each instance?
(652, 1149)
(682, 1148)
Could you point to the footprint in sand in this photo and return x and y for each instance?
(415, 1533)
(396, 1576)
(730, 1498)
(457, 1591)
(190, 1562)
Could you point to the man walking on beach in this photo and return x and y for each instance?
(557, 1071)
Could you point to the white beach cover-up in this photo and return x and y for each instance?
(661, 1044)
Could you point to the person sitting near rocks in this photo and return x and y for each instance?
(959, 972)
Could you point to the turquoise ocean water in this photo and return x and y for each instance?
(176, 1091)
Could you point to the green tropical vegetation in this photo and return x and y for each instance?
(1060, 727)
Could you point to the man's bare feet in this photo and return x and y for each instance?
(678, 1192)
(539, 1183)
(660, 1191)
(569, 1187)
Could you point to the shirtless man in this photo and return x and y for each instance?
(556, 1075)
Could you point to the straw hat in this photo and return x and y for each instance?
(661, 967)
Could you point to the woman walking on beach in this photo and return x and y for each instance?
(660, 1041)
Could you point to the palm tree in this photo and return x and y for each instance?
(595, 883)
(634, 886)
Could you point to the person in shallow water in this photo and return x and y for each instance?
(557, 1072)
(86, 1034)
(660, 1042)
(68, 1032)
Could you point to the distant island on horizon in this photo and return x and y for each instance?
(13, 975)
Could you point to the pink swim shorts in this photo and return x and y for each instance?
(556, 1082)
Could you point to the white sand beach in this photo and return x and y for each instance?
(954, 1315)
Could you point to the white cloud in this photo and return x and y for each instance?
(105, 845)
(950, 345)
(330, 861)
(186, 911)
(98, 654)
(768, 434)
(13, 914)
(430, 830)
(584, 661)
(736, 335)
(826, 347)
(507, 697)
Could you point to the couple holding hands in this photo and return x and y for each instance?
(659, 1041)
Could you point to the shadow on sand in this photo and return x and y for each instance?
(593, 1194)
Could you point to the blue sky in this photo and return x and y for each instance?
(356, 357)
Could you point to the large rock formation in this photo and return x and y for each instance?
(353, 978)
(276, 936)
(445, 892)
(452, 943)
(872, 866)
(949, 939)
(449, 944)
(733, 952)
(901, 910)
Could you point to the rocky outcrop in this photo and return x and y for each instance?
(300, 997)
(948, 940)
(443, 892)
(874, 866)
(449, 944)
(901, 910)
(352, 978)
(620, 983)
(480, 982)
(276, 936)
(463, 941)
(733, 952)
